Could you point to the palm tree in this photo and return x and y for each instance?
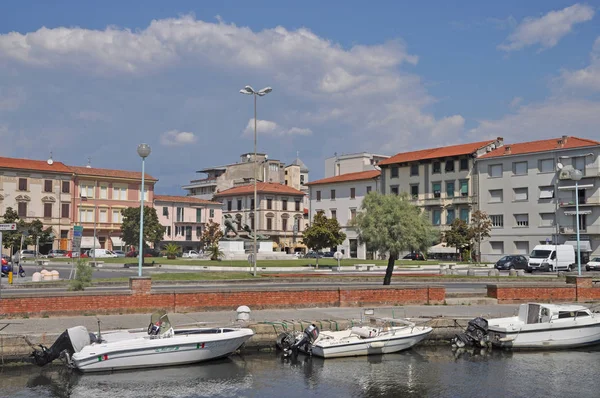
(215, 252)
(171, 250)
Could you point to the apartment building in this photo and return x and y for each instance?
(341, 197)
(41, 190)
(99, 196)
(352, 163)
(443, 181)
(185, 218)
(280, 212)
(527, 191)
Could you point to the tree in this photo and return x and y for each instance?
(212, 234)
(459, 235)
(35, 230)
(30, 231)
(12, 238)
(480, 229)
(323, 232)
(130, 228)
(392, 224)
(215, 252)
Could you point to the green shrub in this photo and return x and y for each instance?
(83, 276)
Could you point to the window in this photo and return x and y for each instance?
(522, 247)
(104, 192)
(449, 166)
(238, 217)
(368, 188)
(119, 193)
(198, 231)
(47, 210)
(239, 204)
(198, 215)
(252, 222)
(522, 220)
(65, 210)
(86, 190)
(464, 188)
(86, 215)
(47, 185)
(22, 209)
(520, 168)
(496, 196)
(188, 232)
(334, 214)
(297, 205)
(166, 211)
(179, 214)
(229, 205)
(547, 192)
(284, 224)
(464, 215)
(352, 214)
(117, 217)
(414, 169)
(414, 191)
(546, 166)
(333, 194)
(547, 219)
(103, 215)
(394, 172)
(353, 248)
(212, 213)
(302, 179)
(437, 188)
(582, 222)
(450, 189)
(436, 217)
(318, 196)
(269, 204)
(284, 202)
(521, 194)
(437, 167)
(579, 164)
(394, 189)
(251, 204)
(352, 193)
(450, 216)
(464, 164)
(22, 184)
(495, 170)
(497, 247)
(497, 220)
(168, 231)
(66, 187)
(269, 223)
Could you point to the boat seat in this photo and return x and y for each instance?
(365, 332)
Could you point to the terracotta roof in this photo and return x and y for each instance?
(435, 153)
(540, 146)
(361, 175)
(92, 171)
(183, 199)
(37, 165)
(262, 187)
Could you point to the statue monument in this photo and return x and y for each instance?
(234, 243)
(230, 228)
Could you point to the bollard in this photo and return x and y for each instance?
(520, 272)
(512, 272)
(10, 277)
(470, 272)
(243, 313)
(493, 272)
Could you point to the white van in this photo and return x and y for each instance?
(101, 253)
(544, 258)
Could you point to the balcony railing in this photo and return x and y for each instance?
(582, 202)
(430, 200)
(588, 229)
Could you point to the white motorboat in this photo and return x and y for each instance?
(537, 326)
(160, 345)
(357, 340)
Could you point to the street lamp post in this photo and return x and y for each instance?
(576, 176)
(144, 151)
(261, 93)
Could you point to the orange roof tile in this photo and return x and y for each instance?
(184, 199)
(37, 165)
(540, 146)
(92, 171)
(361, 175)
(261, 187)
(435, 153)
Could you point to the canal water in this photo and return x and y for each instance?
(421, 372)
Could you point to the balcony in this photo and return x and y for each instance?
(204, 182)
(583, 202)
(589, 229)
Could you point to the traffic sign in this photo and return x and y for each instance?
(77, 231)
(8, 227)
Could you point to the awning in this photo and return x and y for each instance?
(573, 212)
(584, 245)
(87, 242)
(579, 186)
(117, 241)
(442, 249)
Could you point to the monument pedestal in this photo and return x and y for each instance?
(263, 246)
(232, 246)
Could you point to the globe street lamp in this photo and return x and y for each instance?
(144, 151)
(260, 93)
(576, 176)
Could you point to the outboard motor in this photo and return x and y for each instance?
(476, 334)
(71, 340)
(291, 344)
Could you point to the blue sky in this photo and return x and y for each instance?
(83, 80)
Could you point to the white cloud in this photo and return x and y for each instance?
(587, 78)
(177, 138)
(515, 102)
(267, 127)
(547, 30)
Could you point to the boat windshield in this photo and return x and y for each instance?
(540, 253)
(161, 319)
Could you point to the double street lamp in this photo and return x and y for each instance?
(260, 93)
(576, 176)
(144, 151)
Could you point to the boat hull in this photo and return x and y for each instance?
(549, 336)
(142, 352)
(372, 346)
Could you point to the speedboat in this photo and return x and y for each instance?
(160, 345)
(355, 341)
(536, 326)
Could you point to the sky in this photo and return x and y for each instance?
(89, 81)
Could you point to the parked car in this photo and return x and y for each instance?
(58, 254)
(191, 254)
(29, 254)
(312, 254)
(148, 252)
(593, 264)
(414, 256)
(328, 254)
(119, 253)
(101, 253)
(512, 262)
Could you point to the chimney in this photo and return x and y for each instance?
(564, 139)
(507, 150)
(500, 140)
(561, 143)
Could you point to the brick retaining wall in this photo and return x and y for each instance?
(576, 288)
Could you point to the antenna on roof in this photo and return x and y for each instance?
(89, 165)
(50, 161)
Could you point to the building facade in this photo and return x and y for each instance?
(280, 212)
(352, 163)
(185, 218)
(527, 191)
(340, 197)
(99, 196)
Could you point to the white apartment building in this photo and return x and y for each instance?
(341, 197)
(352, 163)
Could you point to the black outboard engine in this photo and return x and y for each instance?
(70, 341)
(291, 343)
(474, 336)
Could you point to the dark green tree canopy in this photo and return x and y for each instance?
(29, 230)
(323, 232)
(130, 229)
(459, 235)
